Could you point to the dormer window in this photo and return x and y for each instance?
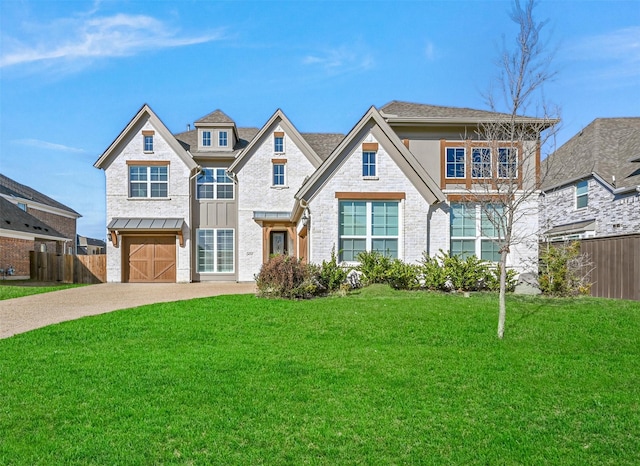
(206, 139)
(147, 141)
(278, 142)
(222, 139)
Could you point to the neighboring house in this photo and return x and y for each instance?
(90, 246)
(213, 203)
(592, 188)
(32, 221)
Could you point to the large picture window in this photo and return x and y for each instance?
(148, 181)
(215, 250)
(475, 231)
(214, 183)
(368, 226)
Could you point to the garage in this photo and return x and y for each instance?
(149, 259)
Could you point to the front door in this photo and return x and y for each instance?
(278, 243)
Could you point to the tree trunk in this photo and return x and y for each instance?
(503, 293)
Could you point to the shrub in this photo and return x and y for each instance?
(564, 271)
(448, 273)
(286, 277)
(374, 266)
(330, 275)
(403, 276)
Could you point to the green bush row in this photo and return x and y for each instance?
(286, 277)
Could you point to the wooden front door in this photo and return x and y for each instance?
(150, 259)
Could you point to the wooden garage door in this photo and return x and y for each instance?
(150, 259)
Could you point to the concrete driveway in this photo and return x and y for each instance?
(31, 312)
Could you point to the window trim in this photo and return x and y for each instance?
(278, 135)
(369, 237)
(215, 185)
(206, 133)
(149, 182)
(585, 195)
(368, 165)
(455, 163)
(220, 138)
(215, 251)
(280, 163)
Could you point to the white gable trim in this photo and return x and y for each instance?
(277, 118)
(145, 112)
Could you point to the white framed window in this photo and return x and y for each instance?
(368, 226)
(481, 162)
(279, 176)
(148, 142)
(369, 164)
(214, 183)
(582, 194)
(507, 162)
(474, 230)
(215, 250)
(222, 139)
(278, 143)
(148, 181)
(455, 162)
(206, 139)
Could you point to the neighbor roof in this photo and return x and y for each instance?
(607, 147)
(12, 188)
(13, 218)
(323, 143)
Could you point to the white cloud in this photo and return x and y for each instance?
(341, 60)
(613, 57)
(430, 51)
(48, 145)
(89, 37)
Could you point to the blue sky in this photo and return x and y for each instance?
(72, 74)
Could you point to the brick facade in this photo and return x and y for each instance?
(14, 253)
(613, 214)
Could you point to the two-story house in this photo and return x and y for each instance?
(32, 221)
(592, 187)
(213, 203)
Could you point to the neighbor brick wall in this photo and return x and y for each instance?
(64, 225)
(15, 252)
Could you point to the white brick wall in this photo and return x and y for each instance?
(119, 204)
(414, 210)
(255, 193)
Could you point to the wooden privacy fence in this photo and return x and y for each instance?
(616, 266)
(66, 268)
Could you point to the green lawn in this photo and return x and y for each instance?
(378, 377)
(10, 289)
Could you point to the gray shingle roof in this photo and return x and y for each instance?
(189, 140)
(14, 218)
(414, 110)
(606, 146)
(13, 188)
(217, 116)
(323, 143)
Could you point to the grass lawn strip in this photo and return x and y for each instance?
(10, 289)
(378, 377)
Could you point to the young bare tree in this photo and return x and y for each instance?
(506, 165)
